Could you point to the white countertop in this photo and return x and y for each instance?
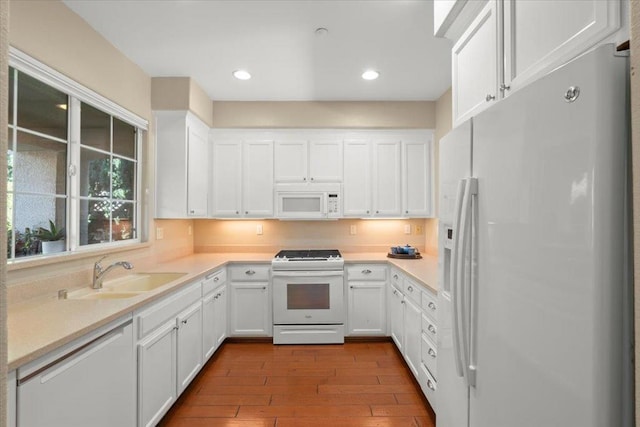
(40, 325)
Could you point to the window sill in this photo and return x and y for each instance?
(43, 260)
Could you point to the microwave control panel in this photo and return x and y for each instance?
(332, 203)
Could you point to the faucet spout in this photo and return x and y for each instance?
(99, 272)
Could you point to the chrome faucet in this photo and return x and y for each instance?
(99, 272)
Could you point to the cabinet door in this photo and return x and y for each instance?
(387, 179)
(220, 315)
(12, 407)
(197, 172)
(325, 161)
(357, 178)
(570, 28)
(250, 309)
(189, 324)
(257, 185)
(412, 335)
(475, 66)
(208, 326)
(417, 179)
(366, 313)
(157, 374)
(396, 317)
(227, 179)
(290, 164)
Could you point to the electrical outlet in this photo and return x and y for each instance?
(418, 229)
(407, 229)
(190, 230)
(352, 230)
(259, 229)
(159, 233)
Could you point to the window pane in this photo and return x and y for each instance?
(94, 221)
(10, 161)
(39, 165)
(41, 108)
(124, 139)
(123, 177)
(122, 225)
(95, 180)
(11, 80)
(95, 128)
(30, 214)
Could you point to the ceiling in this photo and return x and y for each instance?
(276, 42)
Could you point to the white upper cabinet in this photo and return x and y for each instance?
(475, 66)
(541, 35)
(357, 178)
(451, 17)
(511, 43)
(417, 178)
(242, 178)
(315, 160)
(387, 178)
(182, 152)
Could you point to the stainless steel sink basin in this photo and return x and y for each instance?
(140, 282)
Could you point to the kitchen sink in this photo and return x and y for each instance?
(140, 282)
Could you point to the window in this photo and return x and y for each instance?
(72, 168)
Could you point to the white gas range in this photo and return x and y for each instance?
(308, 297)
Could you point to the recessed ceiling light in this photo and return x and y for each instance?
(241, 75)
(370, 75)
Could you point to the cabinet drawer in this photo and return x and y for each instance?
(396, 278)
(429, 354)
(213, 280)
(412, 290)
(430, 304)
(366, 272)
(150, 318)
(428, 385)
(429, 328)
(249, 273)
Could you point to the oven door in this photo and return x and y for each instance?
(308, 297)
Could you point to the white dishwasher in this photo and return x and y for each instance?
(90, 382)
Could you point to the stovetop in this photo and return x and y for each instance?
(309, 254)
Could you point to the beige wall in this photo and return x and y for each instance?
(378, 115)
(372, 235)
(50, 32)
(181, 93)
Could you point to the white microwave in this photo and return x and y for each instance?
(308, 201)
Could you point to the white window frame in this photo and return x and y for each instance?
(79, 94)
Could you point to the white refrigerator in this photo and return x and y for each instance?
(534, 298)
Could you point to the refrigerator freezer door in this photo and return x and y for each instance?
(551, 177)
(455, 166)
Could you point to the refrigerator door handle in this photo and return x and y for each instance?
(464, 273)
(456, 336)
(473, 289)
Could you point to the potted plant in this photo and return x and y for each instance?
(52, 239)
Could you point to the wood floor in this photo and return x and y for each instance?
(259, 384)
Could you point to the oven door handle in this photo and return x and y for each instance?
(308, 273)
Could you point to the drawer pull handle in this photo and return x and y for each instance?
(431, 329)
(367, 271)
(432, 353)
(430, 385)
(351, 286)
(216, 279)
(250, 272)
(184, 322)
(395, 276)
(264, 288)
(410, 289)
(431, 305)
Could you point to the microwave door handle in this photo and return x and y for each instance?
(325, 202)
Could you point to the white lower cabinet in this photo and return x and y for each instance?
(11, 398)
(169, 351)
(366, 300)
(396, 317)
(214, 320)
(89, 382)
(250, 301)
(412, 335)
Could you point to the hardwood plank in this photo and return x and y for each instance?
(228, 399)
(304, 411)
(221, 422)
(394, 379)
(398, 410)
(334, 399)
(206, 411)
(263, 389)
(349, 422)
(371, 389)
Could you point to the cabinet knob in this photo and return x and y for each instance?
(367, 271)
(216, 279)
(237, 213)
(395, 292)
(367, 211)
(184, 322)
(431, 305)
(250, 272)
(192, 211)
(431, 329)
(304, 179)
(430, 385)
(311, 178)
(377, 212)
(489, 97)
(504, 87)
(395, 276)
(264, 288)
(351, 286)
(410, 288)
(246, 212)
(432, 353)
(406, 212)
(402, 302)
